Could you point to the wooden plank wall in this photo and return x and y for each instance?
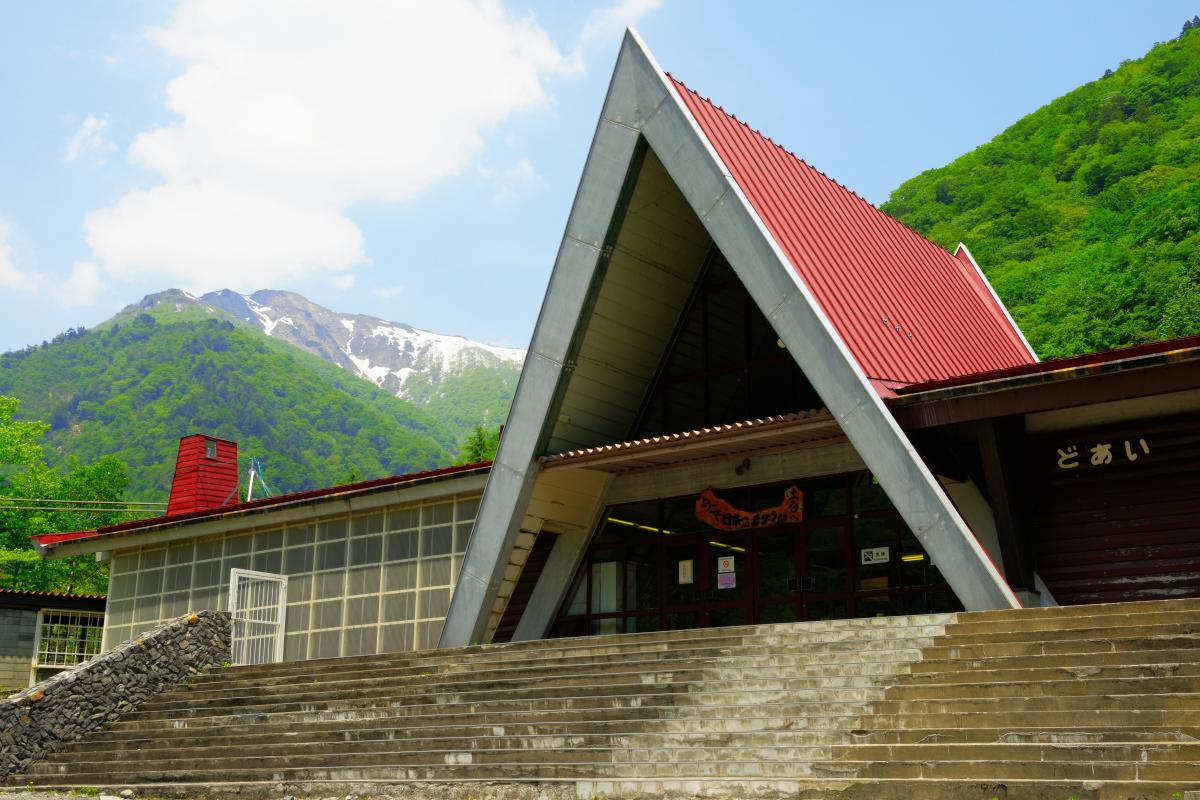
(1125, 529)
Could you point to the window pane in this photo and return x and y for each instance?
(875, 558)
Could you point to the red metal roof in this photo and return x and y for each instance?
(52, 539)
(908, 311)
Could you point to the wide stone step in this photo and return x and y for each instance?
(1099, 633)
(582, 768)
(697, 690)
(1065, 613)
(614, 735)
(722, 663)
(1071, 687)
(772, 678)
(971, 623)
(682, 696)
(1026, 770)
(872, 789)
(989, 705)
(882, 649)
(1114, 644)
(1015, 715)
(1085, 661)
(882, 629)
(882, 652)
(680, 788)
(988, 674)
(814, 744)
(1019, 751)
(798, 689)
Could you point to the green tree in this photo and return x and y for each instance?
(25, 475)
(479, 445)
(1085, 214)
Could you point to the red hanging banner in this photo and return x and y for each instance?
(718, 513)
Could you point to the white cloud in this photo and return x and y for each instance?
(510, 180)
(609, 22)
(343, 281)
(81, 287)
(290, 112)
(88, 138)
(386, 292)
(11, 276)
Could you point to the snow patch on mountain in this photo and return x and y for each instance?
(386, 353)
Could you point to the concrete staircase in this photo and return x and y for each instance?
(1084, 702)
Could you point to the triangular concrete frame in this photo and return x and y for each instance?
(643, 103)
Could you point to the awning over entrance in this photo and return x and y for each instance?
(816, 428)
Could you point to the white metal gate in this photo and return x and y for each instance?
(258, 604)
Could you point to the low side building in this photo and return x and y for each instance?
(42, 633)
(349, 570)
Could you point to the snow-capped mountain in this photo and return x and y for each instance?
(406, 361)
(386, 353)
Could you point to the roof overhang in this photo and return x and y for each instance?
(35, 601)
(361, 497)
(1094, 378)
(753, 437)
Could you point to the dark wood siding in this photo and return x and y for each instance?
(524, 588)
(1125, 529)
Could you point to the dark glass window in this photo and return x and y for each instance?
(655, 565)
(724, 365)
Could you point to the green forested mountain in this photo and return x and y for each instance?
(133, 386)
(1085, 215)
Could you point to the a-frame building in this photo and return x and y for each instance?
(722, 316)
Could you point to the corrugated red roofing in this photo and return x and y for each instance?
(908, 311)
(51, 539)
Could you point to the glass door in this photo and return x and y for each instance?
(729, 584)
(776, 574)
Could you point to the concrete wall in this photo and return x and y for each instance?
(18, 629)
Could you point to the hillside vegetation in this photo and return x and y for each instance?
(1085, 215)
(134, 386)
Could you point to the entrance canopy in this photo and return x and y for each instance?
(758, 437)
(681, 204)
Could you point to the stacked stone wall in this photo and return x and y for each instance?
(44, 718)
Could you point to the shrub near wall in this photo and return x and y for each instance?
(45, 717)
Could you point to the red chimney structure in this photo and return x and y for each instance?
(206, 474)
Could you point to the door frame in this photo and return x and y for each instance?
(236, 574)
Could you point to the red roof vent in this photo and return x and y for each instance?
(206, 474)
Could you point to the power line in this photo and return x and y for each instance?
(6, 498)
(108, 509)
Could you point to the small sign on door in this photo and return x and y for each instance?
(726, 580)
(685, 572)
(725, 564)
(876, 555)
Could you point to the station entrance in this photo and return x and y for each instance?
(753, 555)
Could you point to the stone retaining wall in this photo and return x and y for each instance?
(45, 717)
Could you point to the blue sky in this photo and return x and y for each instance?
(417, 161)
